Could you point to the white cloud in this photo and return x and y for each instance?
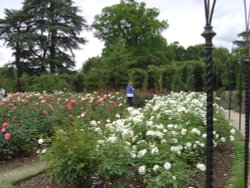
(186, 20)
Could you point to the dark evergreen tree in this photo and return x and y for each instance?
(13, 31)
(56, 24)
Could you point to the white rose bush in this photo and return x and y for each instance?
(161, 144)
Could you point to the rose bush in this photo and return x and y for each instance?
(161, 144)
(26, 117)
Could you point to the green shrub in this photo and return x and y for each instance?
(22, 142)
(72, 156)
(115, 163)
(141, 98)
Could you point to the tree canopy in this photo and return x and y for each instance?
(136, 27)
(49, 30)
(43, 35)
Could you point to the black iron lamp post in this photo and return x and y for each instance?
(208, 34)
(246, 72)
(246, 69)
(240, 96)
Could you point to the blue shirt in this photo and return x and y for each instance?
(130, 91)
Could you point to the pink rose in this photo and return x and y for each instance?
(99, 100)
(72, 101)
(5, 125)
(7, 136)
(69, 107)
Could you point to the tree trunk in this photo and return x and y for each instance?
(19, 70)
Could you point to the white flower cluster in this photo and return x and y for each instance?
(162, 131)
(40, 141)
(167, 166)
(155, 134)
(201, 167)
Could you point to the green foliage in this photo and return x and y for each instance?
(7, 78)
(130, 21)
(177, 83)
(115, 163)
(237, 177)
(22, 142)
(164, 178)
(136, 28)
(116, 60)
(40, 46)
(220, 123)
(176, 52)
(189, 76)
(141, 98)
(46, 82)
(49, 83)
(139, 77)
(72, 156)
(78, 82)
(109, 71)
(96, 74)
(196, 52)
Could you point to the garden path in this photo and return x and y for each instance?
(234, 118)
(9, 177)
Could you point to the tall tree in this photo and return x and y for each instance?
(176, 52)
(117, 60)
(242, 46)
(137, 28)
(195, 52)
(112, 66)
(57, 25)
(43, 35)
(222, 67)
(13, 31)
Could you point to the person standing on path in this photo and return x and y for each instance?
(130, 94)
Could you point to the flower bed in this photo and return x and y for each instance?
(161, 144)
(27, 117)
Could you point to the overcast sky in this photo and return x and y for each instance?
(186, 19)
